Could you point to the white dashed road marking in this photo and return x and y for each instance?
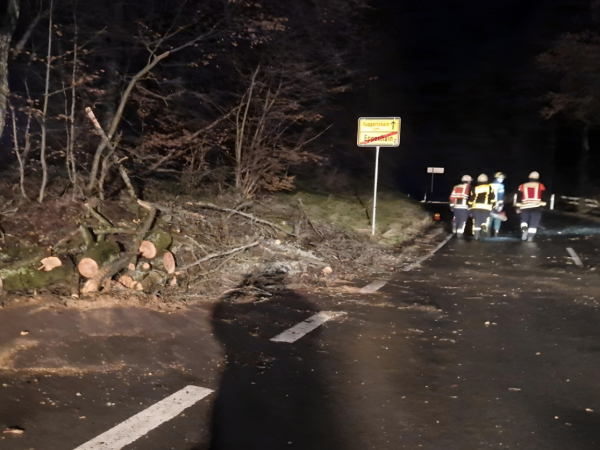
(428, 255)
(137, 426)
(373, 287)
(299, 330)
(575, 257)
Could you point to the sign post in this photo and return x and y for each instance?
(378, 132)
(433, 171)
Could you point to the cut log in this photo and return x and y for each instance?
(101, 254)
(165, 261)
(27, 277)
(21, 256)
(50, 263)
(153, 279)
(147, 249)
(154, 242)
(127, 281)
(90, 286)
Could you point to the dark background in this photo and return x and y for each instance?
(462, 76)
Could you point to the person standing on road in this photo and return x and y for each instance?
(529, 205)
(481, 201)
(459, 205)
(498, 186)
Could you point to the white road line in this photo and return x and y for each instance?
(373, 287)
(575, 257)
(428, 255)
(299, 330)
(137, 426)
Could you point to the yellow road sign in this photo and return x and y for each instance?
(378, 132)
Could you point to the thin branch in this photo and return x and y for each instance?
(21, 44)
(216, 255)
(243, 214)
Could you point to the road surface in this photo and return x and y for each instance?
(490, 344)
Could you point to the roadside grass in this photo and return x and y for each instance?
(398, 218)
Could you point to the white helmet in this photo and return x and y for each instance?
(466, 179)
(482, 178)
(534, 176)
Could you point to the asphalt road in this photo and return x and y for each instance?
(491, 344)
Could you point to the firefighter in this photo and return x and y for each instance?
(459, 205)
(481, 201)
(498, 186)
(530, 206)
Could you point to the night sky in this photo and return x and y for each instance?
(462, 76)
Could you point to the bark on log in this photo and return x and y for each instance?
(87, 236)
(154, 243)
(27, 277)
(93, 259)
(153, 279)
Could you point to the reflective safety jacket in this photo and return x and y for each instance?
(460, 196)
(482, 197)
(498, 192)
(530, 195)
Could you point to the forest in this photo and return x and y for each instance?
(227, 92)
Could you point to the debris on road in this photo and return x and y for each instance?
(514, 389)
(14, 431)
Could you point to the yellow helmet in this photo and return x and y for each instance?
(483, 178)
(499, 175)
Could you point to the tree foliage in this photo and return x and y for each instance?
(575, 60)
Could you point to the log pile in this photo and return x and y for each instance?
(151, 253)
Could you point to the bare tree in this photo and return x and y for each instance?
(153, 60)
(45, 109)
(575, 59)
(21, 155)
(8, 21)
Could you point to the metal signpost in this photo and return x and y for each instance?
(433, 171)
(378, 132)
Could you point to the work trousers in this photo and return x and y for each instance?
(530, 219)
(480, 219)
(460, 220)
(495, 224)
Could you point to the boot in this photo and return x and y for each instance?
(477, 235)
(525, 234)
(530, 239)
(460, 235)
(454, 228)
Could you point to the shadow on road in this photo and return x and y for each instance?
(271, 395)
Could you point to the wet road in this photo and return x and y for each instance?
(489, 345)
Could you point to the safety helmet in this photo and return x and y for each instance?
(499, 175)
(483, 178)
(466, 179)
(534, 176)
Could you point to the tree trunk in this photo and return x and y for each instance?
(584, 178)
(9, 15)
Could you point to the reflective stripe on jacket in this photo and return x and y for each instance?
(530, 194)
(482, 197)
(460, 196)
